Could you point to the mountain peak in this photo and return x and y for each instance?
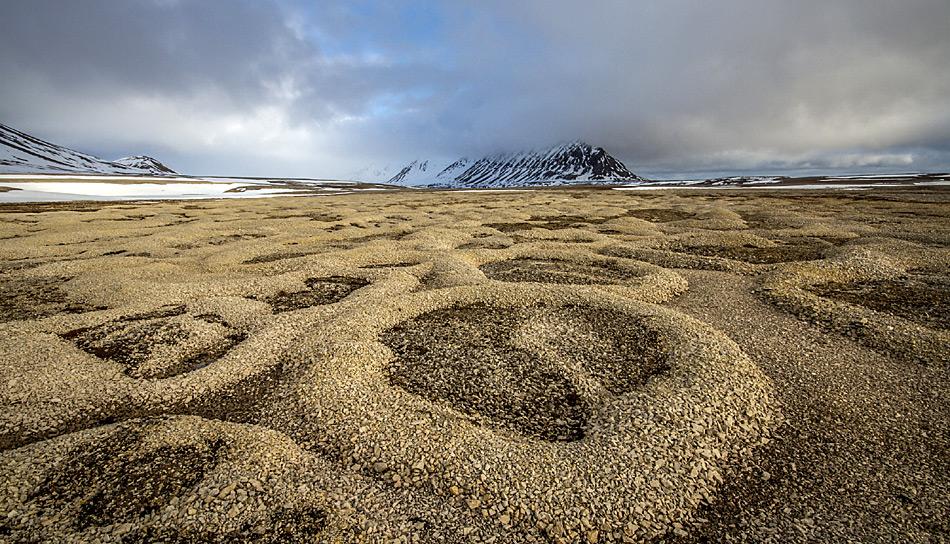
(573, 162)
(144, 162)
(21, 153)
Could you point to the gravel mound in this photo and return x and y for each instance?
(576, 265)
(180, 479)
(495, 428)
(727, 251)
(889, 295)
(924, 299)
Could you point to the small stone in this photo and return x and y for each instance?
(227, 490)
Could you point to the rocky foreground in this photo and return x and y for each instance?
(574, 365)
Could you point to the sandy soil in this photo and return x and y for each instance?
(543, 366)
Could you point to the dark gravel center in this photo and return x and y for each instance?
(468, 357)
(35, 298)
(110, 482)
(659, 215)
(556, 271)
(761, 255)
(319, 291)
(132, 340)
(919, 298)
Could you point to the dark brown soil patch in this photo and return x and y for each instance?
(484, 244)
(20, 264)
(464, 356)
(621, 352)
(659, 215)
(319, 291)
(294, 525)
(170, 310)
(783, 253)
(213, 318)
(184, 246)
(919, 298)
(131, 340)
(350, 243)
(511, 227)
(231, 238)
(112, 481)
(554, 222)
(205, 358)
(468, 356)
(313, 216)
(245, 401)
(556, 271)
(127, 344)
(36, 298)
(273, 257)
(284, 525)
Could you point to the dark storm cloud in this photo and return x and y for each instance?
(318, 88)
(712, 84)
(151, 47)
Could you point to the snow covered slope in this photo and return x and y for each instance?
(21, 153)
(145, 164)
(564, 164)
(429, 172)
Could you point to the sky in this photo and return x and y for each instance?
(674, 88)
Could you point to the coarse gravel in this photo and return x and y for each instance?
(571, 365)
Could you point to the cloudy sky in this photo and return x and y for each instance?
(325, 87)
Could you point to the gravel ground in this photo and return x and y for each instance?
(568, 366)
(862, 455)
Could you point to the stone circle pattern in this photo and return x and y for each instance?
(424, 365)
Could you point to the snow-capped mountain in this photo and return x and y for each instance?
(564, 164)
(145, 163)
(375, 174)
(21, 153)
(428, 172)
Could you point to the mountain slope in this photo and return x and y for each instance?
(425, 172)
(564, 164)
(145, 163)
(21, 153)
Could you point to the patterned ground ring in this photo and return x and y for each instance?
(658, 447)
